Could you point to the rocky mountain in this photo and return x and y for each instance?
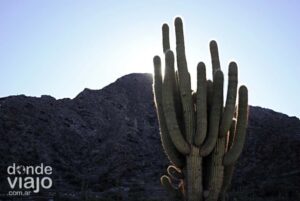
(104, 144)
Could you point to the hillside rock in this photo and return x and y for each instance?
(107, 142)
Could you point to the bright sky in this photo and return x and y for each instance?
(60, 47)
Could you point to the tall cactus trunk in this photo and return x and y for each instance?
(194, 175)
(216, 173)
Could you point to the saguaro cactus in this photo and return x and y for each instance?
(201, 137)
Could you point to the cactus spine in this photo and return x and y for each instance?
(200, 136)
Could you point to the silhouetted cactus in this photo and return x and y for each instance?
(194, 126)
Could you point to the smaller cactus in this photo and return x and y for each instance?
(173, 182)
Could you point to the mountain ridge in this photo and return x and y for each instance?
(118, 79)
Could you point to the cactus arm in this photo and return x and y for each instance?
(214, 56)
(174, 156)
(232, 155)
(168, 106)
(194, 165)
(165, 37)
(209, 96)
(214, 116)
(178, 104)
(228, 170)
(215, 179)
(194, 99)
(175, 81)
(201, 105)
(166, 47)
(184, 83)
(230, 100)
(231, 135)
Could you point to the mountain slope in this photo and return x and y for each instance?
(109, 139)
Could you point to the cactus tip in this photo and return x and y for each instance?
(201, 67)
(156, 60)
(213, 43)
(243, 90)
(178, 21)
(233, 69)
(169, 54)
(165, 27)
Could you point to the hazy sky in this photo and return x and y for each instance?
(60, 47)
